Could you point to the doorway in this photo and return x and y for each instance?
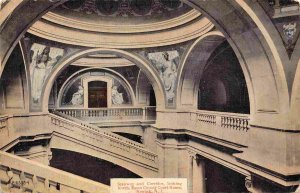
(97, 94)
(152, 98)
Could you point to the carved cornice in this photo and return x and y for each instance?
(102, 62)
(171, 36)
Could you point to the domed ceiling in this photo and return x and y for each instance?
(122, 23)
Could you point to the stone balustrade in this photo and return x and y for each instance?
(3, 122)
(82, 138)
(22, 175)
(285, 8)
(235, 122)
(232, 127)
(109, 114)
(223, 119)
(228, 127)
(114, 142)
(206, 118)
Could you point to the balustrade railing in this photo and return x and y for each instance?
(3, 122)
(225, 120)
(108, 114)
(113, 139)
(206, 118)
(234, 122)
(22, 175)
(285, 8)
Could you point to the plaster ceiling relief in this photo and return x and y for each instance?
(122, 24)
(131, 16)
(126, 8)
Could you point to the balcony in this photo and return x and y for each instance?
(285, 8)
(105, 116)
(230, 129)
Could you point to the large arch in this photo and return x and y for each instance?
(295, 96)
(257, 43)
(192, 67)
(264, 42)
(15, 19)
(141, 63)
(133, 164)
(68, 161)
(262, 52)
(14, 96)
(142, 89)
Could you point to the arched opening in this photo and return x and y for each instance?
(145, 92)
(97, 169)
(222, 179)
(217, 12)
(223, 86)
(71, 88)
(192, 67)
(152, 98)
(146, 68)
(263, 65)
(13, 84)
(97, 94)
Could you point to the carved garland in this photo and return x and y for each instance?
(123, 7)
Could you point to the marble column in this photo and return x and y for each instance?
(250, 187)
(192, 156)
(196, 180)
(199, 185)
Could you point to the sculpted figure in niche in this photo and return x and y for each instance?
(42, 65)
(117, 98)
(167, 69)
(77, 97)
(169, 76)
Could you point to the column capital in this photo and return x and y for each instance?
(249, 183)
(192, 154)
(49, 155)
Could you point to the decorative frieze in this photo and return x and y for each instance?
(124, 8)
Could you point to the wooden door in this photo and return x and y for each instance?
(97, 91)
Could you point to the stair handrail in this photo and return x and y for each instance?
(107, 134)
(16, 167)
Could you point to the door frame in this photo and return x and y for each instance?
(85, 82)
